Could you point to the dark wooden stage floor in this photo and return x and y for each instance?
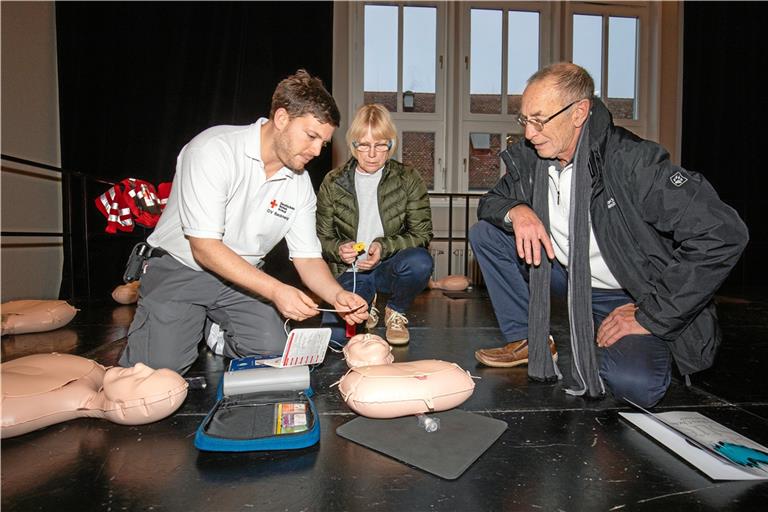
(559, 452)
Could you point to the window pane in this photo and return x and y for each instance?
(522, 55)
(484, 164)
(622, 67)
(485, 62)
(380, 55)
(588, 46)
(419, 56)
(419, 153)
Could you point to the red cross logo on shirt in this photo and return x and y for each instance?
(272, 203)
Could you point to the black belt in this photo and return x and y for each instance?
(155, 252)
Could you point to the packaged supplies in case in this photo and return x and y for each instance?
(261, 408)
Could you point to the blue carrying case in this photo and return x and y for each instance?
(261, 420)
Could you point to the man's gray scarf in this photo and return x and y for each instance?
(584, 368)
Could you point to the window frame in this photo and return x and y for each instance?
(452, 122)
(502, 123)
(641, 125)
(434, 122)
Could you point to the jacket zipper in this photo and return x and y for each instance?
(520, 178)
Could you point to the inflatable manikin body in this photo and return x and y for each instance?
(378, 388)
(450, 283)
(126, 293)
(44, 389)
(23, 316)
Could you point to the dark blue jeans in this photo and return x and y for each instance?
(404, 275)
(638, 367)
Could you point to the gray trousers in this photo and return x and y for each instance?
(175, 302)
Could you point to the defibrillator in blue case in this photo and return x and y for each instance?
(260, 408)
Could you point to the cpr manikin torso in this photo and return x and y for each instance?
(24, 316)
(126, 293)
(450, 283)
(378, 388)
(45, 389)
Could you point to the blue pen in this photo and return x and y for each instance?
(743, 455)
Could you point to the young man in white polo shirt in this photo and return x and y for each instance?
(238, 191)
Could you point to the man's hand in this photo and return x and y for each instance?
(619, 323)
(293, 304)
(347, 253)
(530, 235)
(346, 301)
(374, 257)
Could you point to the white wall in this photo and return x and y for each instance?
(31, 198)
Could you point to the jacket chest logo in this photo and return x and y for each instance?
(611, 203)
(279, 209)
(678, 179)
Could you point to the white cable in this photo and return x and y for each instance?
(332, 310)
(354, 289)
(339, 310)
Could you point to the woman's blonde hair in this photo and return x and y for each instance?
(377, 117)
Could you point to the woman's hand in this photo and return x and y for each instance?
(374, 257)
(347, 253)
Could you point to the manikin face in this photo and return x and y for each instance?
(139, 381)
(372, 153)
(300, 139)
(559, 136)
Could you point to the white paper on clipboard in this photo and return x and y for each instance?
(665, 428)
(303, 347)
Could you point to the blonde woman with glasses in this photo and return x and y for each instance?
(374, 224)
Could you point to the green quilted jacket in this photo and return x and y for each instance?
(403, 206)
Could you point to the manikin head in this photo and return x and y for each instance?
(122, 385)
(367, 349)
(43, 389)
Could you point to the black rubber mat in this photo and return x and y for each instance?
(462, 438)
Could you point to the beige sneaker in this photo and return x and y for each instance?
(397, 332)
(373, 316)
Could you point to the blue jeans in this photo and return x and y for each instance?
(404, 275)
(638, 367)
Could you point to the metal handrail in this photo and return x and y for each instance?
(60, 170)
(68, 221)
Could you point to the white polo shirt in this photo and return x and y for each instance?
(220, 191)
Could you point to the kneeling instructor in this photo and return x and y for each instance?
(238, 191)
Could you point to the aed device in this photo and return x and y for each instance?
(259, 407)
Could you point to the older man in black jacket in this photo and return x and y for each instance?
(639, 245)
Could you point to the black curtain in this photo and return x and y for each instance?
(138, 80)
(725, 113)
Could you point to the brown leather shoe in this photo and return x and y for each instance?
(511, 354)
